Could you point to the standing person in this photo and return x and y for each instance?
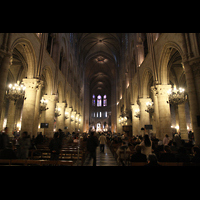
(55, 146)
(4, 139)
(166, 140)
(92, 143)
(146, 145)
(24, 145)
(102, 140)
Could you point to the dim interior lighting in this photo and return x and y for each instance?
(177, 96)
(150, 107)
(137, 113)
(57, 112)
(16, 91)
(43, 104)
(66, 115)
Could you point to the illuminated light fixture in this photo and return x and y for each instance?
(137, 113)
(43, 104)
(72, 118)
(150, 107)
(15, 91)
(66, 115)
(57, 112)
(177, 96)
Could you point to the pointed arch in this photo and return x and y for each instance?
(27, 50)
(163, 75)
(48, 75)
(147, 79)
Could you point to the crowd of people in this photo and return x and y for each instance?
(150, 149)
(147, 148)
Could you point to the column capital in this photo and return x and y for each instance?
(162, 89)
(32, 83)
(144, 100)
(61, 105)
(134, 107)
(50, 97)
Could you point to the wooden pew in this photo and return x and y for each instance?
(4, 162)
(138, 163)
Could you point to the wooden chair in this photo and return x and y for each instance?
(138, 163)
(65, 163)
(171, 163)
(4, 162)
(18, 162)
(49, 162)
(33, 163)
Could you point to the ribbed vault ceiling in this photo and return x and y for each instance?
(99, 53)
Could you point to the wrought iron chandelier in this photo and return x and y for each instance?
(177, 96)
(57, 112)
(137, 113)
(43, 104)
(150, 107)
(16, 91)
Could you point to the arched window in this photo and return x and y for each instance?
(93, 100)
(99, 104)
(104, 100)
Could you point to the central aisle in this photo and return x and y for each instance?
(103, 159)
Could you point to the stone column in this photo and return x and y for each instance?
(4, 67)
(2, 115)
(193, 99)
(76, 122)
(61, 119)
(164, 110)
(29, 105)
(37, 108)
(182, 121)
(11, 117)
(144, 116)
(135, 120)
(156, 113)
(73, 116)
(50, 114)
(68, 120)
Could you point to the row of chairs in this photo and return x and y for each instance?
(167, 164)
(23, 162)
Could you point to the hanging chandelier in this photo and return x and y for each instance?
(137, 113)
(57, 112)
(43, 104)
(15, 91)
(150, 107)
(177, 96)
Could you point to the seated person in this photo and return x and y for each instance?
(138, 156)
(152, 160)
(182, 155)
(121, 149)
(196, 154)
(167, 156)
(174, 147)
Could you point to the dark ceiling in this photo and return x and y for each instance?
(99, 53)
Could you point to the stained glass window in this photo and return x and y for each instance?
(99, 104)
(93, 100)
(104, 100)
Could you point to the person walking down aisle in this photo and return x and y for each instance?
(92, 144)
(55, 146)
(24, 145)
(102, 140)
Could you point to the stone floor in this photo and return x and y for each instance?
(102, 159)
